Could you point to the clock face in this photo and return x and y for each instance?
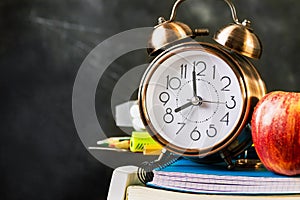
(193, 99)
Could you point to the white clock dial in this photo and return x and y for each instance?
(194, 99)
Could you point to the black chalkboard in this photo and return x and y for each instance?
(42, 45)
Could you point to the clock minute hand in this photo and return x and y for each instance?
(194, 82)
(184, 106)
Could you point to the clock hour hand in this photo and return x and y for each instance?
(184, 106)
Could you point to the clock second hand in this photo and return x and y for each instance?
(192, 103)
(205, 101)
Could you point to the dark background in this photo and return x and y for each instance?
(42, 45)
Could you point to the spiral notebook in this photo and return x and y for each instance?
(188, 176)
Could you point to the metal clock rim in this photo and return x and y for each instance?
(206, 47)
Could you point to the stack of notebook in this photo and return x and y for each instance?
(188, 176)
(188, 180)
(145, 193)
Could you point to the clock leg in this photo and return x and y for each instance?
(225, 155)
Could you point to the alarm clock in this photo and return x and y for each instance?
(196, 98)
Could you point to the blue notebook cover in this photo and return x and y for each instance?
(188, 176)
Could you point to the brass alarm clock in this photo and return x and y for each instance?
(196, 98)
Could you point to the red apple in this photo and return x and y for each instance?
(276, 132)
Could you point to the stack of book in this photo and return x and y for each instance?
(188, 180)
(188, 176)
(135, 192)
(145, 193)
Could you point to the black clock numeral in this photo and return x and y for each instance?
(212, 131)
(233, 103)
(227, 83)
(168, 116)
(195, 134)
(225, 119)
(164, 97)
(214, 72)
(203, 64)
(182, 125)
(183, 71)
(173, 83)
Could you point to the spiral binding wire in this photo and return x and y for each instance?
(145, 170)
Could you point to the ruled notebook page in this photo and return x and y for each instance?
(189, 176)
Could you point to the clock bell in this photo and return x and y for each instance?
(237, 36)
